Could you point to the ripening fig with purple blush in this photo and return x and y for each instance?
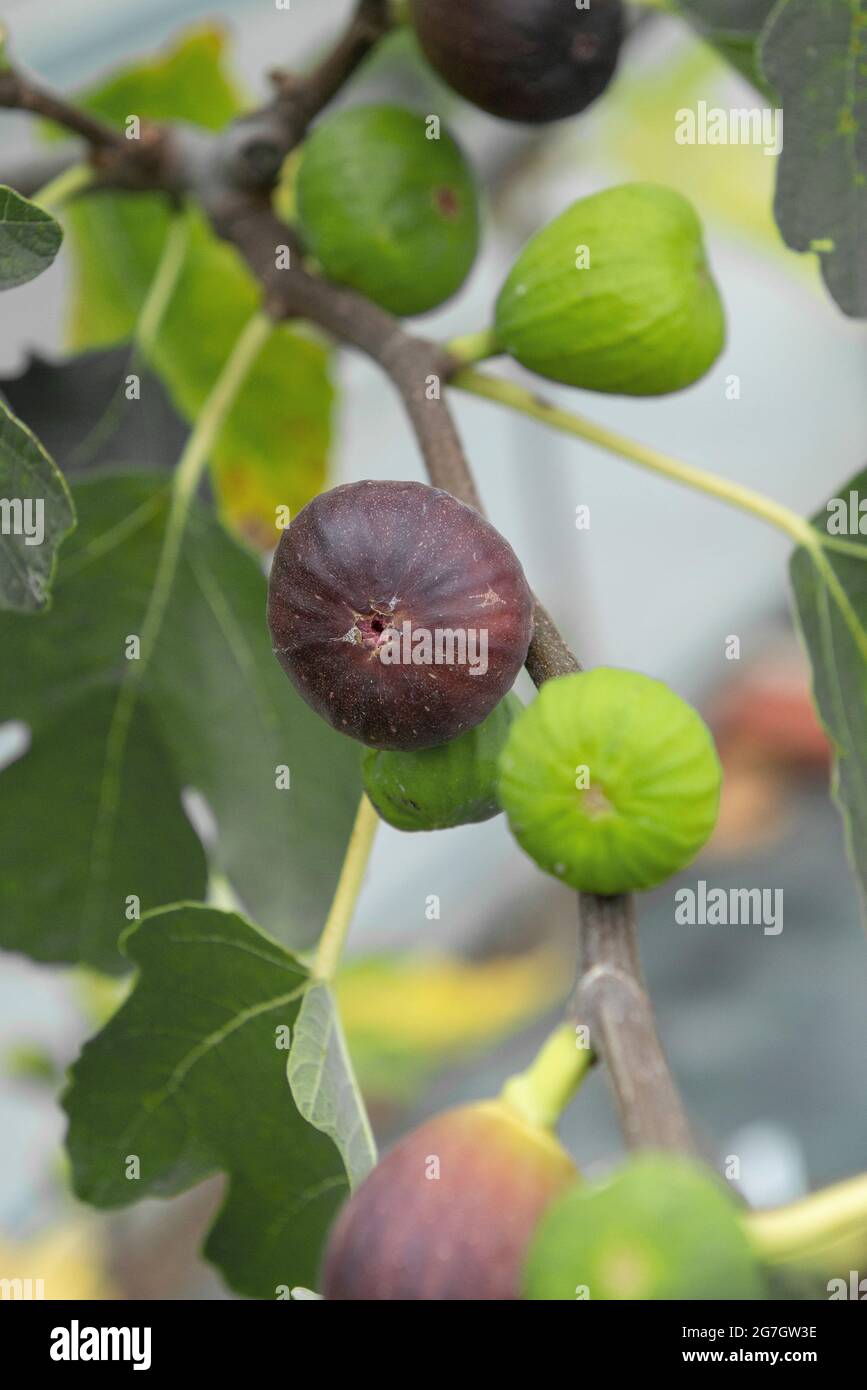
(398, 613)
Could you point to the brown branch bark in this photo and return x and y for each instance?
(611, 999)
(232, 176)
(20, 94)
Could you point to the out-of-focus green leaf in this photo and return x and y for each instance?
(733, 27)
(29, 239)
(660, 1228)
(407, 1017)
(813, 51)
(731, 184)
(90, 820)
(30, 1062)
(831, 603)
(36, 512)
(323, 1082)
(273, 449)
(186, 81)
(189, 1078)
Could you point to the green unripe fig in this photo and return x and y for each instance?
(660, 1228)
(610, 781)
(387, 210)
(615, 295)
(437, 788)
(459, 1231)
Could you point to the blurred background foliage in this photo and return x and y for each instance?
(766, 1035)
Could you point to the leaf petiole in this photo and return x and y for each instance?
(337, 924)
(59, 190)
(525, 402)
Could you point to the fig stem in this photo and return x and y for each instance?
(52, 195)
(474, 347)
(518, 398)
(542, 1092)
(336, 929)
(805, 1227)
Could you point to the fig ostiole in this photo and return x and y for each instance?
(615, 295)
(449, 1212)
(399, 614)
(610, 781)
(388, 205)
(522, 60)
(437, 788)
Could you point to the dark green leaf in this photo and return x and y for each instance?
(29, 239)
(831, 601)
(36, 513)
(189, 1077)
(733, 27)
(815, 54)
(213, 712)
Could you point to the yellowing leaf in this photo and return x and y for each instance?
(404, 1018)
(272, 452)
(68, 1260)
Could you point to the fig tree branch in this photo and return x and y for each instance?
(611, 1000)
(232, 176)
(18, 93)
(610, 997)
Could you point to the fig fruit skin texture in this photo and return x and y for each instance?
(360, 562)
(522, 60)
(388, 211)
(438, 788)
(661, 1227)
(405, 1235)
(643, 318)
(653, 772)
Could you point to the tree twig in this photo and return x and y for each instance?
(611, 999)
(19, 93)
(232, 175)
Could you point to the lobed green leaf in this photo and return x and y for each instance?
(189, 1078)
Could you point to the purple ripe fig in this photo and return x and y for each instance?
(522, 60)
(450, 1212)
(399, 614)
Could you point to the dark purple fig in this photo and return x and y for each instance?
(523, 60)
(398, 613)
(450, 1212)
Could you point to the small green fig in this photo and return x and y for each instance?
(660, 1228)
(388, 210)
(615, 295)
(610, 781)
(448, 1214)
(437, 788)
